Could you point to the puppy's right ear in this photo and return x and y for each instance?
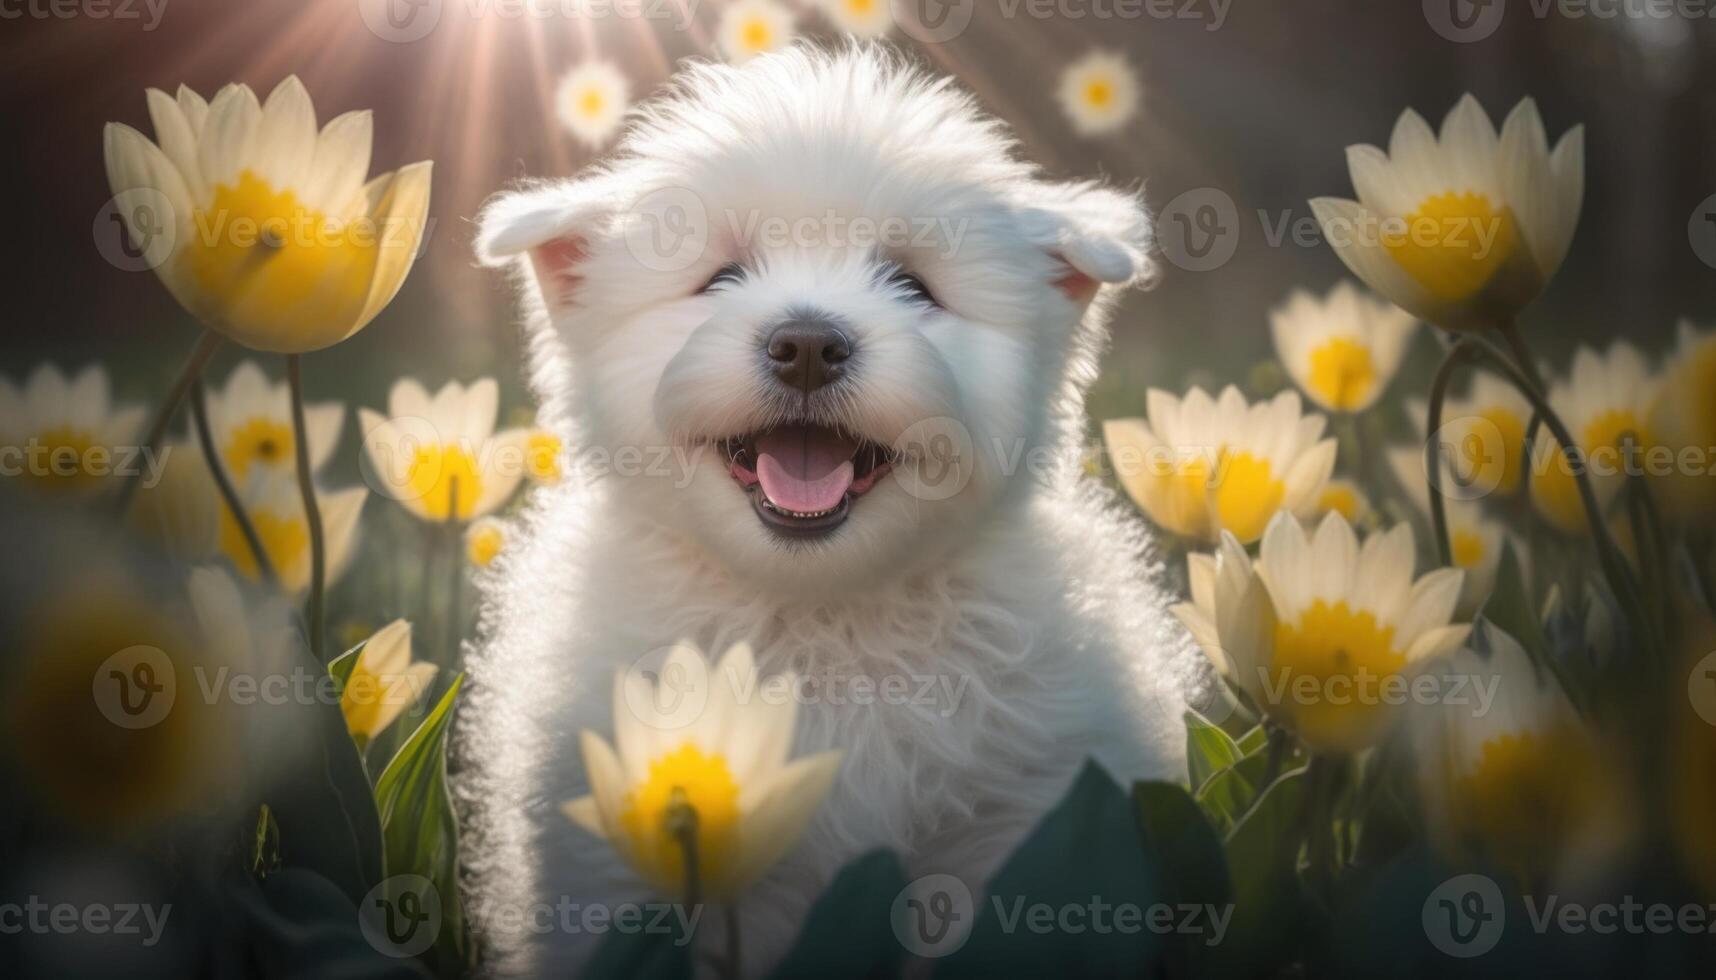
(551, 224)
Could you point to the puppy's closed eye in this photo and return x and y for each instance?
(730, 274)
(910, 285)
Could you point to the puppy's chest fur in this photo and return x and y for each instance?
(964, 696)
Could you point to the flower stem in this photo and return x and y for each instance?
(1509, 329)
(234, 506)
(312, 512)
(207, 343)
(731, 913)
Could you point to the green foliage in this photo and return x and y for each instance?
(1208, 749)
(849, 934)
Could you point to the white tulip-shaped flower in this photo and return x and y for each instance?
(1342, 350)
(384, 681)
(1476, 540)
(1683, 419)
(440, 457)
(67, 433)
(275, 506)
(1464, 230)
(1202, 465)
(251, 421)
(259, 224)
(1317, 628)
(1482, 436)
(723, 773)
(1606, 405)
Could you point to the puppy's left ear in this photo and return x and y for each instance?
(551, 223)
(1102, 236)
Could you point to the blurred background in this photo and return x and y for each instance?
(1255, 99)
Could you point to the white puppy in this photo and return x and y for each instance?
(819, 342)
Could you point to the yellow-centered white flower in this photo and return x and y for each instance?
(1606, 405)
(67, 432)
(860, 18)
(384, 681)
(261, 226)
(251, 420)
(1342, 350)
(1465, 230)
(275, 506)
(484, 541)
(440, 456)
(1683, 418)
(752, 27)
(1316, 628)
(1482, 435)
(1346, 498)
(1201, 465)
(728, 764)
(592, 100)
(1099, 93)
(1476, 540)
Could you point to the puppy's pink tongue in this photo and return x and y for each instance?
(804, 469)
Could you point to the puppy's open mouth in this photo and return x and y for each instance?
(802, 479)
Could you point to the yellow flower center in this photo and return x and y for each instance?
(684, 776)
(1246, 494)
(483, 545)
(1346, 654)
(1504, 473)
(860, 7)
(285, 540)
(1603, 442)
(1468, 548)
(542, 457)
(1099, 94)
(63, 461)
(591, 103)
(445, 479)
(1342, 373)
(259, 440)
(266, 264)
(1454, 244)
(1342, 500)
(1525, 794)
(756, 35)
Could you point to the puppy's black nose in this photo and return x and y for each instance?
(808, 353)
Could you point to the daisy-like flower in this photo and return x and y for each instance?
(860, 18)
(1343, 350)
(276, 510)
(1202, 465)
(1099, 93)
(543, 450)
(66, 432)
(1684, 419)
(251, 421)
(440, 457)
(383, 682)
(752, 27)
(1316, 629)
(725, 772)
(1465, 230)
(1482, 435)
(592, 100)
(269, 233)
(1606, 401)
(1517, 778)
(1475, 539)
(484, 540)
(1346, 498)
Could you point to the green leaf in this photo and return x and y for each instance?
(1209, 750)
(1510, 607)
(1086, 851)
(341, 666)
(850, 931)
(1262, 857)
(1230, 793)
(298, 925)
(644, 954)
(1180, 840)
(1254, 741)
(418, 823)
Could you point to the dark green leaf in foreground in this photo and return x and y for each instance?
(849, 934)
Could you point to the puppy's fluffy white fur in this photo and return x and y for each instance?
(1027, 593)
